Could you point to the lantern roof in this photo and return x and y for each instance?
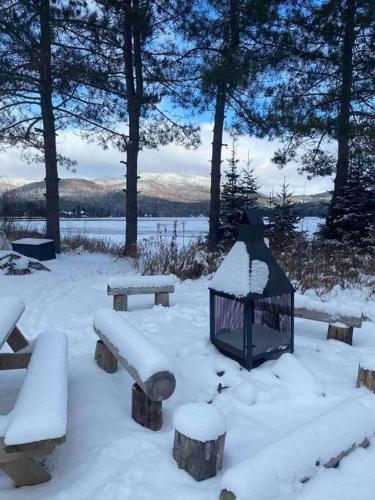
(250, 270)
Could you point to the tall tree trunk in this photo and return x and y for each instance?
(343, 122)
(232, 45)
(134, 96)
(49, 131)
(217, 143)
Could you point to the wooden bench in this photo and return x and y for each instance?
(340, 326)
(121, 287)
(151, 369)
(37, 422)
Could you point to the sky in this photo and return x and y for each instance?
(93, 162)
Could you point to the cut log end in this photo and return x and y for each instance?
(227, 495)
(146, 412)
(366, 377)
(160, 386)
(201, 460)
(104, 358)
(343, 333)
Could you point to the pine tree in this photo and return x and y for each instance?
(233, 200)
(354, 221)
(249, 184)
(282, 221)
(326, 93)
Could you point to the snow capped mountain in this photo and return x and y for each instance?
(7, 182)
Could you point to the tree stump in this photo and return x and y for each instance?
(162, 299)
(146, 412)
(200, 454)
(366, 375)
(105, 358)
(341, 332)
(120, 302)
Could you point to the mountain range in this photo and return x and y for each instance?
(160, 194)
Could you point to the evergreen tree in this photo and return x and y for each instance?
(229, 44)
(43, 87)
(327, 90)
(354, 222)
(233, 199)
(134, 42)
(249, 184)
(282, 220)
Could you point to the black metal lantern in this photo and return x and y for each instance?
(251, 299)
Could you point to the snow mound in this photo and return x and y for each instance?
(246, 393)
(291, 371)
(259, 276)
(237, 277)
(367, 363)
(200, 421)
(297, 455)
(11, 309)
(13, 263)
(233, 277)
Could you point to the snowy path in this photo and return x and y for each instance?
(108, 456)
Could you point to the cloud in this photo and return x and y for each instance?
(94, 162)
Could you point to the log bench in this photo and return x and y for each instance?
(340, 327)
(38, 420)
(122, 287)
(151, 369)
(297, 456)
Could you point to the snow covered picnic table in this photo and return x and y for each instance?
(37, 423)
(122, 286)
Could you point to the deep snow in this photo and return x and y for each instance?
(107, 456)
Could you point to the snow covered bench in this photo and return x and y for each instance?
(121, 287)
(38, 420)
(151, 369)
(340, 326)
(296, 456)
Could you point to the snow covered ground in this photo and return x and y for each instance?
(107, 456)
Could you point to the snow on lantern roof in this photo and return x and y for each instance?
(238, 275)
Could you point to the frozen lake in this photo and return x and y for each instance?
(113, 228)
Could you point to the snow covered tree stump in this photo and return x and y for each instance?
(366, 374)
(145, 411)
(341, 332)
(105, 358)
(199, 440)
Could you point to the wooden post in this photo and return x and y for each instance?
(162, 299)
(201, 460)
(120, 302)
(341, 332)
(105, 358)
(146, 412)
(366, 377)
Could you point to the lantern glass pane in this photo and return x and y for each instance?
(272, 324)
(229, 323)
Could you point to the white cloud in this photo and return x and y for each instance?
(94, 162)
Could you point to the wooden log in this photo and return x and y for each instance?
(158, 386)
(341, 332)
(332, 463)
(201, 460)
(120, 302)
(162, 299)
(139, 290)
(25, 472)
(366, 377)
(105, 358)
(146, 412)
(301, 312)
(13, 361)
(17, 340)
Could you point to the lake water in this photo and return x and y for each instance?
(113, 228)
